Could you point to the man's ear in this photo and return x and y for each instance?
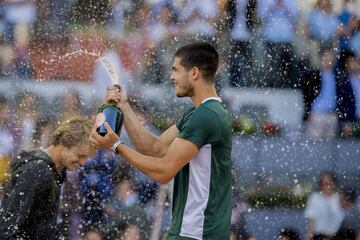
(195, 72)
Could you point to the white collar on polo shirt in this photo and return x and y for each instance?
(211, 98)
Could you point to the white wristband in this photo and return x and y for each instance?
(115, 145)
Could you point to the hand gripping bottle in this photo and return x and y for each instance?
(113, 115)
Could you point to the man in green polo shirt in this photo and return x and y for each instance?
(196, 151)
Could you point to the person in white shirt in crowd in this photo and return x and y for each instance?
(279, 19)
(323, 209)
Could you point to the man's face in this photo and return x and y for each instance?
(181, 78)
(75, 156)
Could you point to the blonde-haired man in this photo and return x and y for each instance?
(31, 197)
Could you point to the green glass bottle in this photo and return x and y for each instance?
(113, 115)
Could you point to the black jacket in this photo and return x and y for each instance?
(31, 198)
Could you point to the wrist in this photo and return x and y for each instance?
(115, 145)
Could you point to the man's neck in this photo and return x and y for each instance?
(54, 153)
(203, 93)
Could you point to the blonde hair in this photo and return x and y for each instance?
(74, 131)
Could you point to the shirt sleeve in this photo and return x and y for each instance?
(200, 128)
(18, 200)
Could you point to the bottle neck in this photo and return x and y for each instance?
(112, 102)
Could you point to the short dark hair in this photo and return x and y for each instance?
(327, 173)
(201, 55)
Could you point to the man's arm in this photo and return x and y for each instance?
(161, 169)
(144, 140)
(18, 201)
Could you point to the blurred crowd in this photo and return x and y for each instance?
(311, 45)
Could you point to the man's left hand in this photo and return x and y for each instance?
(103, 141)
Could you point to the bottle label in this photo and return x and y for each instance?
(100, 119)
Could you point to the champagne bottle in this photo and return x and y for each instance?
(113, 115)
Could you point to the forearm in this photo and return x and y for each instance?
(144, 141)
(155, 168)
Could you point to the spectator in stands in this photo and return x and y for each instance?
(351, 222)
(323, 25)
(353, 66)
(42, 133)
(124, 210)
(347, 93)
(164, 18)
(242, 17)
(238, 221)
(323, 121)
(165, 28)
(91, 12)
(134, 38)
(52, 22)
(19, 18)
(121, 10)
(126, 196)
(347, 18)
(27, 115)
(355, 40)
(288, 234)
(279, 19)
(323, 210)
(71, 104)
(7, 67)
(96, 186)
(7, 141)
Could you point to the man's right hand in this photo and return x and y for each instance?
(117, 94)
